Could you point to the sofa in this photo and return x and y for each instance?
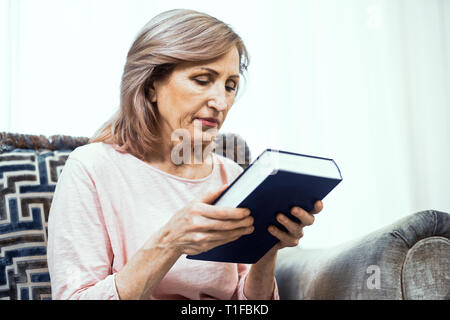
(409, 259)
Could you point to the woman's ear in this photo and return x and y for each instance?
(152, 92)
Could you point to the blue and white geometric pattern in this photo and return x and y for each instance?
(27, 182)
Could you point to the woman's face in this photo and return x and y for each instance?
(197, 96)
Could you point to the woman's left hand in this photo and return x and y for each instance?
(260, 282)
(295, 230)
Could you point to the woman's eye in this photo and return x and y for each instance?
(201, 82)
(231, 87)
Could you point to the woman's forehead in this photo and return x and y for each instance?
(228, 63)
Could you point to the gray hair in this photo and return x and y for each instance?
(170, 38)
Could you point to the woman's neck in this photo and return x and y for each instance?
(195, 163)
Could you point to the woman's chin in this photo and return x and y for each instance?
(204, 137)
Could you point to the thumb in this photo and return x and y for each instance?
(210, 197)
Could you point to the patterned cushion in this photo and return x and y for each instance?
(27, 183)
(29, 169)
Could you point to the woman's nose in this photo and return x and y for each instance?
(218, 104)
(218, 100)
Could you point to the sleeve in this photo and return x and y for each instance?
(243, 270)
(79, 251)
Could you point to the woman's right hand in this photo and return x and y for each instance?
(196, 228)
(200, 226)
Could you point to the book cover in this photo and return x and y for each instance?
(275, 182)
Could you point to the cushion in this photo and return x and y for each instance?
(27, 183)
(408, 259)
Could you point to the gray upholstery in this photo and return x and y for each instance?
(409, 259)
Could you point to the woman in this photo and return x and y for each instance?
(126, 211)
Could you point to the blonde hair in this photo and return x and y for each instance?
(167, 40)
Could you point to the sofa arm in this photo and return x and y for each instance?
(409, 259)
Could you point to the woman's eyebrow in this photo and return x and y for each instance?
(216, 73)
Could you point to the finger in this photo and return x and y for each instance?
(210, 197)
(203, 223)
(210, 240)
(220, 213)
(230, 235)
(221, 236)
(305, 218)
(287, 239)
(318, 206)
(233, 224)
(295, 229)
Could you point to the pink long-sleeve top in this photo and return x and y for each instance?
(106, 205)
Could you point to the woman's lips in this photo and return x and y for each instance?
(208, 122)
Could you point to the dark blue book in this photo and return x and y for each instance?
(275, 182)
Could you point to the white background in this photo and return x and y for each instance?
(364, 82)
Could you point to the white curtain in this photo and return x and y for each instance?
(365, 82)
